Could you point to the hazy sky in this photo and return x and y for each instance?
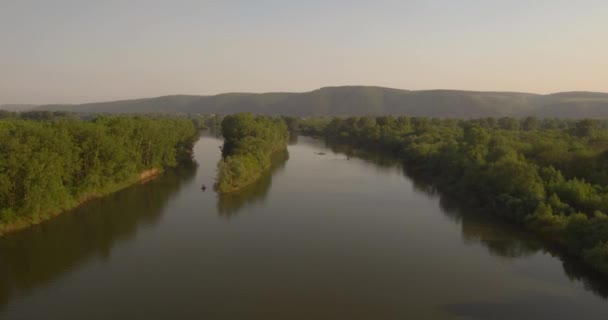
(80, 51)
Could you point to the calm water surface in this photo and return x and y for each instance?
(324, 236)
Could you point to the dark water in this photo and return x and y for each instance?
(325, 236)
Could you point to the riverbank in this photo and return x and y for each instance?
(23, 221)
(321, 221)
(511, 173)
(251, 178)
(51, 166)
(562, 235)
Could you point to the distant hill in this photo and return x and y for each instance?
(165, 104)
(574, 105)
(17, 107)
(365, 100)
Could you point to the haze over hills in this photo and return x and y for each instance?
(366, 100)
(18, 107)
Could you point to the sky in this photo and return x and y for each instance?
(83, 51)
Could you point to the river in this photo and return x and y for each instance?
(330, 233)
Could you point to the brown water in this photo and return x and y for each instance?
(324, 236)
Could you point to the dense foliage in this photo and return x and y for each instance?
(549, 175)
(249, 143)
(209, 122)
(47, 166)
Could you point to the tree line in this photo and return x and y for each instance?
(548, 175)
(249, 142)
(54, 163)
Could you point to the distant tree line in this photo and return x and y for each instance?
(41, 115)
(54, 163)
(209, 122)
(249, 142)
(549, 175)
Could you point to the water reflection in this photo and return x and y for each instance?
(504, 239)
(214, 132)
(501, 238)
(230, 204)
(378, 158)
(33, 257)
(293, 139)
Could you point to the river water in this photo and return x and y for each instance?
(330, 233)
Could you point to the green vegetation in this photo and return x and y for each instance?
(249, 143)
(212, 123)
(364, 100)
(549, 175)
(308, 127)
(230, 204)
(47, 166)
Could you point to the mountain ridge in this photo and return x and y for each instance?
(365, 100)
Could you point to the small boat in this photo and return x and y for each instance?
(204, 187)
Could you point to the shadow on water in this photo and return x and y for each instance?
(231, 204)
(378, 158)
(33, 257)
(214, 132)
(501, 238)
(505, 239)
(293, 139)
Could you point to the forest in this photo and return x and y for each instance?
(249, 143)
(52, 162)
(549, 175)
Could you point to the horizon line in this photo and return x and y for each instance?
(295, 92)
